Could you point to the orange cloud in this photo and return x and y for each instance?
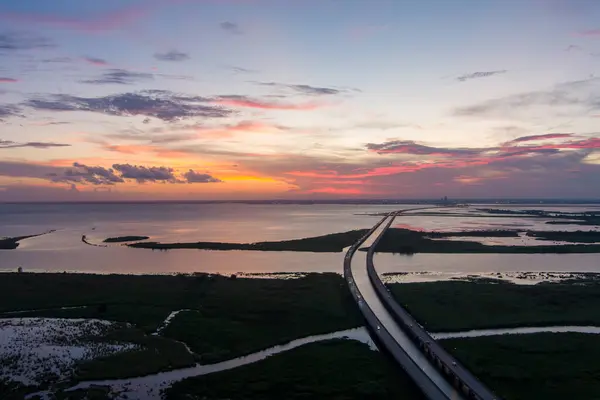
(333, 190)
(255, 126)
(244, 178)
(468, 180)
(240, 127)
(378, 171)
(342, 182)
(64, 162)
(137, 149)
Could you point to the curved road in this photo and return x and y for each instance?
(384, 327)
(454, 371)
(426, 362)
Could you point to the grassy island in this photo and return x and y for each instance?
(335, 242)
(405, 241)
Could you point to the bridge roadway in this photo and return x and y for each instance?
(435, 372)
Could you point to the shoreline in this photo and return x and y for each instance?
(520, 278)
(11, 243)
(406, 241)
(396, 240)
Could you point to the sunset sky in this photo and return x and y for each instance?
(298, 99)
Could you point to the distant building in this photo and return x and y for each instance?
(444, 201)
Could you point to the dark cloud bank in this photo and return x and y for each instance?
(83, 174)
(161, 104)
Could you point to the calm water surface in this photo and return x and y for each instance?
(172, 222)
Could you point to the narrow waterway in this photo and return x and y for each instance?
(516, 331)
(168, 320)
(149, 387)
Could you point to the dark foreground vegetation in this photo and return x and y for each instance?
(228, 318)
(549, 366)
(154, 354)
(336, 369)
(120, 239)
(457, 306)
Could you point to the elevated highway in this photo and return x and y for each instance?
(434, 371)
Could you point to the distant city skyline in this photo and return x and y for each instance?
(126, 100)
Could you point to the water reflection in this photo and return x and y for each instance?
(189, 222)
(124, 260)
(483, 263)
(63, 250)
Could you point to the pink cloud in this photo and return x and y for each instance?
(238, 128)
(96, 61)
(255, 126)
(241, 101)
(450, 160)
(590, 32)
(341, 182)
(508, 149)
(8, 80)
(104, 22)
(361, 174)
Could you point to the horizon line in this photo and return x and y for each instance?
(333, 201)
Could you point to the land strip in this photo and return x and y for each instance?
(450, 306)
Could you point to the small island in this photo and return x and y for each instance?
(120, 239)
(335, 242)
